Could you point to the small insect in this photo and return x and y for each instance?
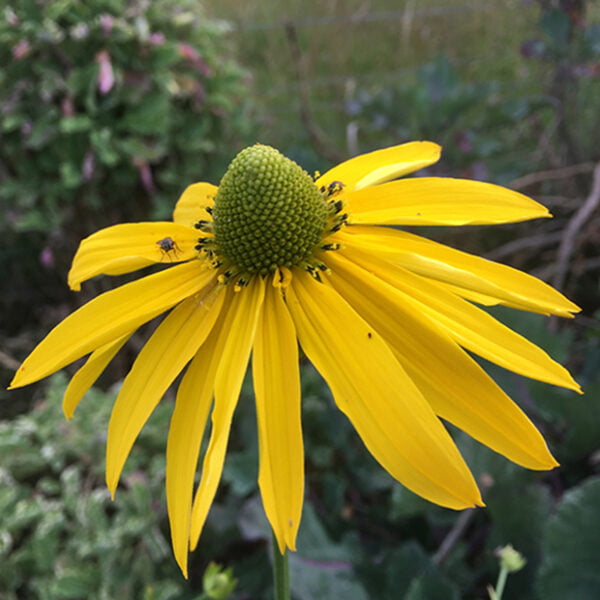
(168, 245)
(335, 186)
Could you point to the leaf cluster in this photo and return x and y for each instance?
(108, 109)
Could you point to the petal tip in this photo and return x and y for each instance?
(182, 564)
(16, 383)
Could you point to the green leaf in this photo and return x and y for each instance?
(405, 504)
(103, 145)
(240, 472)
(78, 582)
(150, 116)
(70, 174)
(570, 566)
(576, 419)
(399, 569)
(75, 124)
(431, 586)
(557, 25)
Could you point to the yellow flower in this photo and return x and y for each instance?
(272, 258)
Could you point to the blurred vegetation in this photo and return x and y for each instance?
(109, 109)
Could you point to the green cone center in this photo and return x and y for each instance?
(268, 212)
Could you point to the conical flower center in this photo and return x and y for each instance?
(268, 212)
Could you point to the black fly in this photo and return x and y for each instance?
(168, 245)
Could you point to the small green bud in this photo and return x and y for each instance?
(218, 583)
(510, 559)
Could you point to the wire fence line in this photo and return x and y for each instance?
(295, 80)
(363, 17)
(408, 14)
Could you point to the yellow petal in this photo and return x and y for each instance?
(192, 405)
(86, 376)
(234, 352)
(168, 350)
(124, 248)
(478, 297)
(389, 413)
(468, 325)
(455, 386)
(110, 316)
(277, 392)
(191, 206)
(382, 165)
(472, 277)
(440, 201)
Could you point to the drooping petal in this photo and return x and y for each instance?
(168, 350)
(192, 406)
(468, 325)
(86, 376)
(234, 353)
(395, 422)
(277, 392)
(111, 315)
(473, 277)
(124, 248)
(191, 206)
(456, 387)
(440, 201)
(382, 165)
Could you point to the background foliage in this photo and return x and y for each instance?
(108, 109)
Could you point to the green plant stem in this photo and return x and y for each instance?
(497, 593)
(281, 573)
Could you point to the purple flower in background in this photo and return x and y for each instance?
(190, 53)
(87, 168)
(157, 39)
(145, 174)
(47, 257)
(106, 78)
(66, 107)
(106, 22)
(21, 49)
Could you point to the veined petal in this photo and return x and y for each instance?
(191, 206)
(168, 350)
(395, 422)
(382, 165)
(440, 201)
(86, 376)
(468, 325)
(474, 278)
(277, 392)
(192, 406)
(239, 331)
(456, 387)
(124, 248)
(110, 316)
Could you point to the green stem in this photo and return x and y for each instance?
(501, 583)
(496, 594)
(281, 573)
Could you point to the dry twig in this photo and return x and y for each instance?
(561, 173)
(460, 526)
(569, 238)
(524, 243)
(8, 361)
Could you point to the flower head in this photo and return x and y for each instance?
(273, 257)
